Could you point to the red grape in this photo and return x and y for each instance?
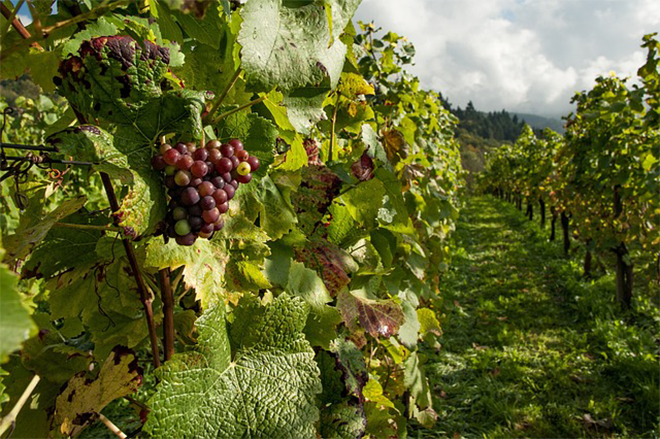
(224, 165)
(181, 147)
(206, 188)
(218, 182)
(220, 196)
(207, 203)
(195, 210)
(164, 147)
(187, 240)
(195, 222)
(206, 228)
(213, 144)
(242, 155)
(206, 235)
(227, 150)
(211, 216)
(158, 163)
(184, 162)
(235, 162)
(189, 196)
(254, 163)
(234, 183)
(223, 208)
(201, 154)
(196, 182)
(214, 155)
(243, 178)
(237, 144)
(230, 190)
(171, 156)
(199, 169)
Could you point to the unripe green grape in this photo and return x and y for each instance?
(182, 178)
(179, 213)
(170, 170)
(182, 227)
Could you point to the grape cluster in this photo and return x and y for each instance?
(200, 183)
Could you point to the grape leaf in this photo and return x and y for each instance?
(323, 319)
(260, 380)
(82, 400)
(203, 264)
(380, 318)
(344, 420)
(29, 234)
(344, 374)
(66, 248)
(364, 201)
(277, 216)
(89, 143)
(257, 134)
(331, 263)
(15, 322)
(428, 322)
(415, 379)
(114, 77)
(292, 51)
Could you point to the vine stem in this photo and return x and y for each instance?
(9, 420)
(168, 312)
(235, 110)
(145, 298)
(224, 94)
(112, 427)
(90, 227)
(16, 22)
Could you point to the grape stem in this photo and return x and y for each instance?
(16, 22)
(90, 227)
(145, 298)
(10, 420)
(168, 312)
(224, 94)
(235, 110)
(112, 427)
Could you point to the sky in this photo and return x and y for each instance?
(525, 56)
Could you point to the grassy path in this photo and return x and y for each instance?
(532, 350)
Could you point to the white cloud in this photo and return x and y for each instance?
(522, 55)
(25, 19)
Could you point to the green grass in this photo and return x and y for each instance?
(530, 348)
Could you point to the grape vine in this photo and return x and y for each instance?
(307, 291)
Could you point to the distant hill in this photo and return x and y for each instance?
(540, 122)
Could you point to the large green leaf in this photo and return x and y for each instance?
(31, 231)
(258, 380)
(15, 322)
(286, 44)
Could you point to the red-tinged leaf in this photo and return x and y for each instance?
(330, 262)
(380, 318)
